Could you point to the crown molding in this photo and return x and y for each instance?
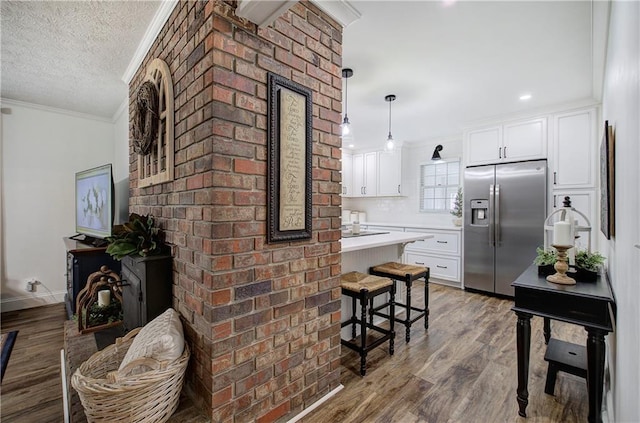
(261, 12)
(154, 28)
(340, 10)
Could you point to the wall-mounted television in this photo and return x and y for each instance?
(95, 204)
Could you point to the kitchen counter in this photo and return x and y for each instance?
(400, 226)
(381, 240)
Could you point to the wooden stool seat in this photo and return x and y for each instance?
(407, 273)
(363, 287)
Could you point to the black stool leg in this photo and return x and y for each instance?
(392, 318)
(426, 301)
(407, 336)
(550, 384)
(353, 319)
(363, 334)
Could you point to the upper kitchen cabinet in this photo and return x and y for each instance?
(573, 149)
(389, 173)
(365, 175)
(347, 174)
(507, 142)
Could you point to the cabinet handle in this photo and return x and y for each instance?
(420, 262)
(365, 190)
(398, 188)
(442, 242)
(555, 182)
(554, 201)
(441, 267)
(500, 152)
(505, 152)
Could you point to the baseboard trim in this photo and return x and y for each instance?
(20, 303)
(316, 404)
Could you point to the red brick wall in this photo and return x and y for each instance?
(262, 319)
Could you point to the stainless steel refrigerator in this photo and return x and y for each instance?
(504, 212)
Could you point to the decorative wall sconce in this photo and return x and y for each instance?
(390, 144)
(346, 125)
(436, 153)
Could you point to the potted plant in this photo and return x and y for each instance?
(545, 260)
(588, 265)
(137, 237)
(457, 208)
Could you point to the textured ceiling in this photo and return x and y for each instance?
(448, 62)
(71, 54)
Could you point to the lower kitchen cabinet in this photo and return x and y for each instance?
(441, 254)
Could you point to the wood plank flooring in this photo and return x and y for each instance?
(463, 369)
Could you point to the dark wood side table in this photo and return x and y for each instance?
(588, 304)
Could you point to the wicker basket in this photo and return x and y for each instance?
(109, 396)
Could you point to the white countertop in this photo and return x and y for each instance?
(413, 225)
(381, 240)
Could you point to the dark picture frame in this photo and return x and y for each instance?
(607, 182)
(289, 134)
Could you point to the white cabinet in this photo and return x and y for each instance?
(511, 141)
(440, 253)
(573, 149)
(389, 173)
(347, 174)
(482, 145)
(365, 175)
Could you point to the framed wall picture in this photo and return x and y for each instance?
(289, 160)
(607, 182)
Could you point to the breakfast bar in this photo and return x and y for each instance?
(366, 249)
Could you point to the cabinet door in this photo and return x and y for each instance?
(347, 175)
(358, 175)
(389, 173)
(483, 145)
(524, 140)
(574, 150)
(370, 174)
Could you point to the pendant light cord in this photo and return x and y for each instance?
(390, 118)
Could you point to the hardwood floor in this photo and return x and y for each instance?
(31, 388)
(462, 370)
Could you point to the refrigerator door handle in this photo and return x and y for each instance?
(497, 213)
(491, 211)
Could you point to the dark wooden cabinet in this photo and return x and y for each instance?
(82, 261)
(146, 288)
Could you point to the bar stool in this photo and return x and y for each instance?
(407, 273)
(363, 287)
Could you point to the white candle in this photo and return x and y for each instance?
(562, 233)
(104, 298)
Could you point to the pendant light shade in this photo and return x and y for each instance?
(390, 144)
(436, 153)
(346, 125)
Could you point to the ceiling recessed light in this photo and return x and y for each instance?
(525, 97)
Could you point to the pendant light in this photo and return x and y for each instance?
(390, 144)
(346, 125)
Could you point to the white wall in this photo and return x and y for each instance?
(41, 151)
(121, 162)
(405, 209)
(621, 107)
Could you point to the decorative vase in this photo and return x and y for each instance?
(457, 221)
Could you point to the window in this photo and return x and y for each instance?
(439, 183)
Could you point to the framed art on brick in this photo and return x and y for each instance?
(289, 160)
